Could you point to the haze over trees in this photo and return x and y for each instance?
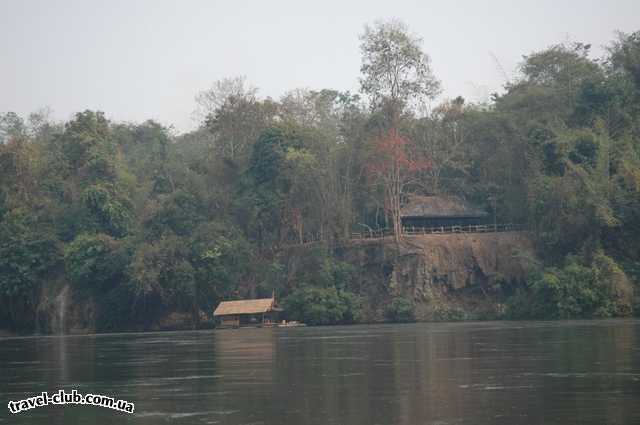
(145, 223)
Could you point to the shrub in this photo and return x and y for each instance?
(447, 313)
(578, 289)
(400, 310)
(322, 306)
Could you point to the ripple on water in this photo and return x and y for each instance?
(178, 415)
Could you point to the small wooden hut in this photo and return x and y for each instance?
(257, 312)
(437, 211)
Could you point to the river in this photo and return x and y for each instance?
(572, 372)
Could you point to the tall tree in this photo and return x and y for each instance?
(396, 73)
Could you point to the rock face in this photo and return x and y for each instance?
(61, 311)
(460, 261)
(448, 276)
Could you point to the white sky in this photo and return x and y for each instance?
(137, 60)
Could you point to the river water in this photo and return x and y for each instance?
(576, 372)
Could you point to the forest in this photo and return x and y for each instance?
(145, 221)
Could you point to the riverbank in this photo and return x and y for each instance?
(427, 278)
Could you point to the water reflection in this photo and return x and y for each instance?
(463, 373)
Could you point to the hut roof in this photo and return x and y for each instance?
(258, 306)
(440, 206)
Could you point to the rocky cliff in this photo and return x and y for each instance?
(448, 276)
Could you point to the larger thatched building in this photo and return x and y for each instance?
(436, 211)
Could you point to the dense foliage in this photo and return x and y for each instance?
(400, 310)
(322, 306)
(144, 222)
(575, 290)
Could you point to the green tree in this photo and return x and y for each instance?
(94, 262)
(400, 310)
(322, 306)
(29, 253)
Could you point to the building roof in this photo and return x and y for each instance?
(258, 306)
(439, 207)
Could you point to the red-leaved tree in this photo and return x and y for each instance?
(394, 166)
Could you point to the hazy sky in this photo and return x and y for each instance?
(147, 59)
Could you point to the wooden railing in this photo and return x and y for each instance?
(411, 231)
(470, 228)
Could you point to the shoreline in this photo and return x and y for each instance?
(6, 334)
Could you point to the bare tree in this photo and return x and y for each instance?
(233, 114)
(396, 73)
(208, 101)
(441, 138)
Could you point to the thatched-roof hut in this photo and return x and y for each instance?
(435, 211)
(261, 311)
